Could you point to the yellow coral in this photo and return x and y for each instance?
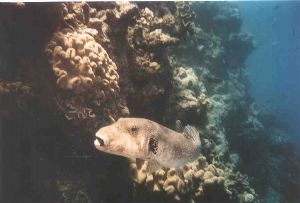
(86, 76)
(80, 63)
(180, 183)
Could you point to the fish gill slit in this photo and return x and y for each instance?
(153, 145)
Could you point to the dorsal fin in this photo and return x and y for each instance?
(191, 132)
(178, 126)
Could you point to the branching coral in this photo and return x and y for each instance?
(148, 34)
(122, 10)
(186, 16)
(148, 37)
(75, 14)
(111, 21)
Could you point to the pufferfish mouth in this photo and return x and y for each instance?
(99, 142)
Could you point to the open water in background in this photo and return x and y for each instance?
(274, 66)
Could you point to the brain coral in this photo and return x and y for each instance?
(80, 63)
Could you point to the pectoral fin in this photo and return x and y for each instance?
(178, 126)
(191, 133)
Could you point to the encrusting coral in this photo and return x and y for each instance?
(186, 15)
(188, 96)
(148, 34)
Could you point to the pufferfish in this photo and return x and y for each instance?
(139, 138)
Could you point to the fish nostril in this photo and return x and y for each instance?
(101, 142)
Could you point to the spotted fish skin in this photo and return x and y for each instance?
(145, 139)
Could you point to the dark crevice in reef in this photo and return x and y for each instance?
(39, 159)
(67, 69)
(22, 29)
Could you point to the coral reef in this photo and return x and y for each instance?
(80, 62)
(148, 34)
(83, 68)
(85, 73)
(186, 16)
(149, 38)
(82, 65)
(196, 181)
(187, 97)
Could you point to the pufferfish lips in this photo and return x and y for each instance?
(99, 141)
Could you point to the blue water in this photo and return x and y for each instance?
(274, 67)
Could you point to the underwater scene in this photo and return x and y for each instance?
(150, 102)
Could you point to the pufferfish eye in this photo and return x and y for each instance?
(133, 130)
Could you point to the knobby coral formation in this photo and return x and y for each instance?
(83, 69)
(186, 16)
(196, 181)
(85, 72)
(187, 97)
(80, 62)
(99, 61)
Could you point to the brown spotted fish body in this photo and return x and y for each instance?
(148, 140)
